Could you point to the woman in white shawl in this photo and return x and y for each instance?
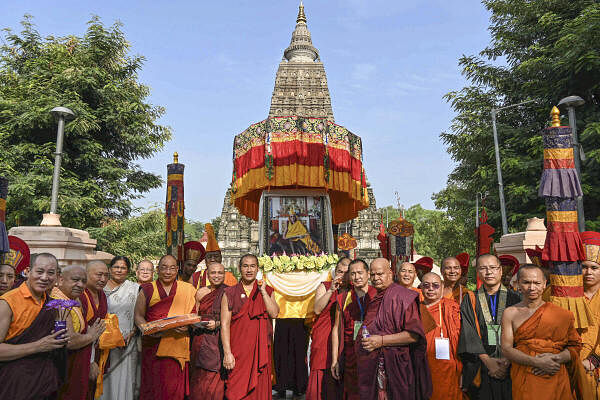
(119, 381)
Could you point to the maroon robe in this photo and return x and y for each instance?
(321, 385)
(162, 377)
(36, 376)
(394, 310)
(78, 372)
(250, 337)
(207, 381)
(91, 312)
(351, 314)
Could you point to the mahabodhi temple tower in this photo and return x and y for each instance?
(300, 89)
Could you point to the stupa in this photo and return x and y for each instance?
(300, 90)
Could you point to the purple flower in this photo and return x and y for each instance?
(54, 303)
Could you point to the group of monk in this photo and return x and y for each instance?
(374, 335)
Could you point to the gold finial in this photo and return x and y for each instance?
(301, 16)
(555, 116)
(175, 158)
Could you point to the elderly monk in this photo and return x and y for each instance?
(442, 342)
(349, 316)
(539, 338)
(590, 337)
(144, 272)
(28, 367)
(207, 381)
(247, 311)
(485, 371)
(165, 355)
(95, 307)
(392, 362)
(321, 384)
(406, 275)
(71, 285)
(452, 273)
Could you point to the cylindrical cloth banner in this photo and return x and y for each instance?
(174, 212)
(4, 246)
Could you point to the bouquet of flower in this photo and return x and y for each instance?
(295, 262)
(63, 308)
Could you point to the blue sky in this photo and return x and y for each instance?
(212, 65)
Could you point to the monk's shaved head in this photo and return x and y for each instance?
(381, 262)
(97, 275)
(69, 269)
(529, 267)
(92, 265)
(215, 274)
(431, 287)
(431, 277)
(381, 274)
(72, 281)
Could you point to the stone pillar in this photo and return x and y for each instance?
(516, 243)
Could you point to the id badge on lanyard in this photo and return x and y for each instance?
(442, 344)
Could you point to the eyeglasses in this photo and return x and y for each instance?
(433, 285)
(491, 268)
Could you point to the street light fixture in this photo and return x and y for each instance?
(571, 102)
(494, 112)
(62, 114)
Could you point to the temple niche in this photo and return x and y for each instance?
(300, 89)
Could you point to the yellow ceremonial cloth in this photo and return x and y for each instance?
(111, 338)
(295, 292)
(174, 344)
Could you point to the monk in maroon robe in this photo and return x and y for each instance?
(165, 355)
(29, 351)
(391, 358)
(95, 307)
(71, 285)
(207, 380)
(247, 310)
(321, 384)
(349, 315)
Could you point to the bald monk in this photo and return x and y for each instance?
(391, 358)
(166, 354)
(321, 384)
(349, 316)
(452, 273)
(28, 358)
(247, 311)
(406, 275)
(207, 380)
(71, 285)
(442, 342)
(539, 338)
(95, 307)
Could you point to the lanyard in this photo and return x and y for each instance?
(494, 303)
(441, 323)
(362, 309)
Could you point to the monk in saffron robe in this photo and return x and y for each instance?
(485, 370)
(442, 341)
(349, 315)
(321, 385)
(207, 380)
(165, 355)
(391, 351)
(28, 348)
(71, 285)
(247, 310)
(539, 339)
(452, 273)
(589, 372)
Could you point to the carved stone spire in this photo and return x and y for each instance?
(301, 48)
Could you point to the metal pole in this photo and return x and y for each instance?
(576, 154)
(477, 210)
(499, 170)
(57, 161)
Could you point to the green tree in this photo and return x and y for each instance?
(437, 235)
(138, 237)
(542, 50)
(95, 76)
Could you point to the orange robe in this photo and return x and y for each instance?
(590, 338)
(457, 293)
(445, 374)
(549, 330)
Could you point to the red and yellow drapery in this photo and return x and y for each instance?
(295, 152)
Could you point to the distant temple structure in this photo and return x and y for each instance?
(300, 89)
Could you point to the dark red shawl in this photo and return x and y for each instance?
(36, 376)
(408, 377)
(206, 351)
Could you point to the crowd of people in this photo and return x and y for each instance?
(374, 334)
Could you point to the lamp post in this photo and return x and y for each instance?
(494, 112)
(62, 114)
(571, 102)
